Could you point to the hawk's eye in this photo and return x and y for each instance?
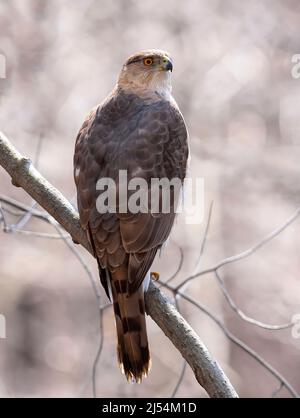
(148, 61)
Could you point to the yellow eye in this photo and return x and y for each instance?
(148, 61)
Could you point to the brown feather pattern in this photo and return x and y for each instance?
(148, 139)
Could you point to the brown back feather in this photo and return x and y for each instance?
(126, 132)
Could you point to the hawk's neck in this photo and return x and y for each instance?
(152, 92)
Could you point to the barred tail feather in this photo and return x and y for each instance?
(133, 350)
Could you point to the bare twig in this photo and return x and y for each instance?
(35, 234)
(246, 253)
(13, 212)
(172, 277)
(180, 379)
(183, 368)
(207, 371)
(236, 340)
(3, 219)
(94, 284)
(22, 207)
(23, 174)
(25, 218)
(276, 391)
(202, 248)
(242, 315)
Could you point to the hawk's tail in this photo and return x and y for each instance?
(133, 350)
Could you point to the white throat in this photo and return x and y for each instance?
(153, 86)
(161, 84)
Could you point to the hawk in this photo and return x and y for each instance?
(137, 128)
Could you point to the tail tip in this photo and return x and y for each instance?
(134, 376)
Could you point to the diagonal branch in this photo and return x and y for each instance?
(24, 175)
(207, 371)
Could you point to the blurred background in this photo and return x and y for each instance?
(233, 81)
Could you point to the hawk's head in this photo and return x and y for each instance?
(147, 73)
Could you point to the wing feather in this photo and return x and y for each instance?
(147, 140)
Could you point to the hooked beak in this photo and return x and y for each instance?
(167, 64)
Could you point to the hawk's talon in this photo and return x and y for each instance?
(15, 183)
(154, 276)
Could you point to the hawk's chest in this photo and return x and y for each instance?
(131, 136)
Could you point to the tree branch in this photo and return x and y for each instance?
(207, 371)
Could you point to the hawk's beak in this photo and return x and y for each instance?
(167, 64)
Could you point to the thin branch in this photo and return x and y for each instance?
(172, 277)
(11, 229)
(207, 372)
(98, 353)
(24, 175)
(236, 340)
(38, 150)
(20, 206)
(276, 391)
(242, 315)
(180, 379)
(97, 293)
(202, 248)
(3, 219)
(183, 368)
(12, 211)
(25, 218)
(246, 253)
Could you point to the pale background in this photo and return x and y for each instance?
(232, 80)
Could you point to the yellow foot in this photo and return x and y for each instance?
(154, 276)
